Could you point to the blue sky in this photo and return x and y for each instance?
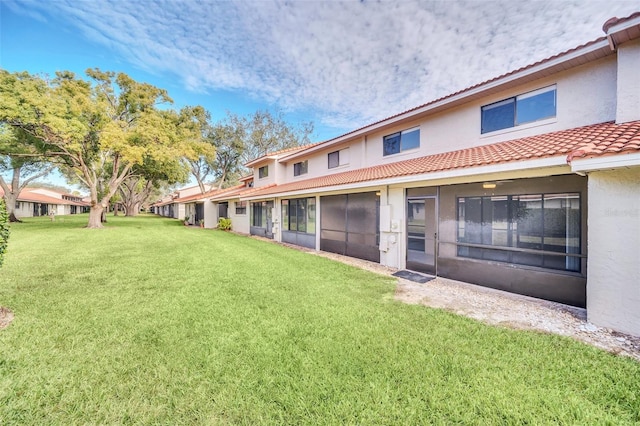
(339, 64)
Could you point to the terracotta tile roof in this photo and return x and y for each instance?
(598, 139)
(229, 192)
(28, 195)
(242, 192)
(615, 21)
(289, 150)
(195, 197)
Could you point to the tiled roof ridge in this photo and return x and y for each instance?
(615, 21)
(595, 139)
(209, 193)
(285, 150)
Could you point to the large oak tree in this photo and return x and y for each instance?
(99, 128)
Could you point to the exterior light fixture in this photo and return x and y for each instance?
(489, 185)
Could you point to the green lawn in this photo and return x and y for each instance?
(151, 322)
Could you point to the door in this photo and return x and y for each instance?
(223, 210)
(422, 234)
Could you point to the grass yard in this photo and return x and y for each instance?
(151, 322)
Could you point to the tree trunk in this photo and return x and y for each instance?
(130, 208)
(13, 218)
(95, 216)
(10, 201)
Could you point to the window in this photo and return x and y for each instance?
(299, 215)
(334, 159)
(241, 207)
(338, 158)
(537, 230)
(263, 172)
(401, 141)
(525, 108)
(18, 205)
(300, 168)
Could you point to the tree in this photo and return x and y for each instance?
(4, 230)
(99, 129)
(229, 139)
(266, 132)
(22, 163)
(146, 180)
(238, 140)
(196, 122)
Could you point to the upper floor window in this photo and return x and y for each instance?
(338, 158)
(401, 141)
(263, 172)
(525, 108)
(300, 168)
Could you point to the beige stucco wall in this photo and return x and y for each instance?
(613, 271)
(392, 229)
(628, 106)
(319, 163)
(239, 222)
(25, 210)
(210, 214)
(268, 180)
(585, 95)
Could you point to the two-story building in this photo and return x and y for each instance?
(528, 182)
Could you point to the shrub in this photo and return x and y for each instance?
(4, 230)
(224, 224)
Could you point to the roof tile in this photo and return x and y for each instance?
(597, 139)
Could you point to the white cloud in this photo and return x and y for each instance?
(350, 62)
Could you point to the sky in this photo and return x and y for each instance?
(339, 64)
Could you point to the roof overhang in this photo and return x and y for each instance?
(514, 170)
(605, 162)
(622, 30)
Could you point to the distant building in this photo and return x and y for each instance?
(33, 202)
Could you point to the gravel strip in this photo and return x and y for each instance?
(501, 308)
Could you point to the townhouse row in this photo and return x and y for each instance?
(34, 202)
(528, 182)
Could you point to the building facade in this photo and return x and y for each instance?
(529, 183)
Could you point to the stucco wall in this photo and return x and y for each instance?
(239, 222)
(392, 233)
(628, 106)
(585, 95)
(210, 214)
(269, 179)
(319, 163)
(25, 210)
(613, 274)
